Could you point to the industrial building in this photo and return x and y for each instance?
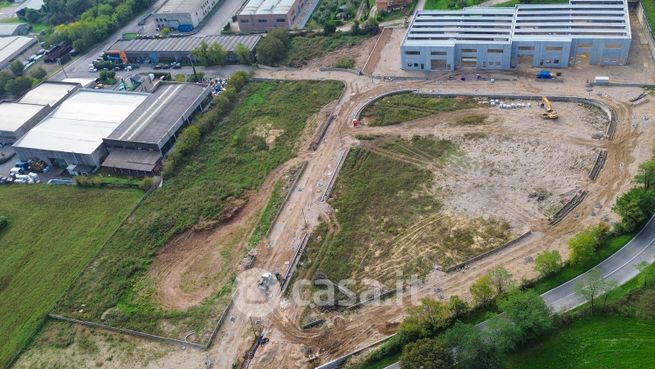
(19, 117)
(183, 15)
(178, 48)
(14, 29)
(553, 35)
(16, 48)
(262, 15)
(129, 131)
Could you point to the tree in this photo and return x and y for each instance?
(583, 245)
(4, 77)
(528, 311)
(243, 54)
(18, 86)
(457, 306)
(108, 76)
(270, 50)
(280, 34)
(593, 286)
(646, 174)
(634, 207)
(329, 28)
(473, 349)
(548, 262)
(217, 55)
(16, 68)
(483, 290)
(201, 53)
(428, 318)
(39, 73)
(501, 278)
(165, 32)
(426, 354)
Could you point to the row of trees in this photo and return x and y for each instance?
(85, 23)
(190, 138)
(215, 54)
(524, 317)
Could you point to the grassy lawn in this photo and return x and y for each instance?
(649, 8)
(305, 48)
(231, 159)
(405, 107)
(598, 342)
(387, 218)
(449, 4)
(54, 233)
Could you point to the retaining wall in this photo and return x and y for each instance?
(641, 15)
(490, 252)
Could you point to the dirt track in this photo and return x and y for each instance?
(633, 143)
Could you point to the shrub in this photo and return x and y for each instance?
(548, 262)
(346, 63)
(584, 244)
(4, 222)
(146, 183)
(39, 73)
(426, 354)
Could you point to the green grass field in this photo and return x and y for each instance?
(388, 219)
(603, 342)
(405, 107)
(53, 234)
(231, 159)
(305, 48)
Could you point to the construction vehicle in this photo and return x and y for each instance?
(550, 113)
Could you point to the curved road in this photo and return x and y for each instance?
(621, 266)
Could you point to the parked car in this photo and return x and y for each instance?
(157, 66)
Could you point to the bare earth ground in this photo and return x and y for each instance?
(633, 143)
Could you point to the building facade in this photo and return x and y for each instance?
(263, 15)
(183, 15)
(555, 35)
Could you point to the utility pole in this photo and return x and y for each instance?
(62, 67)
(193, 67)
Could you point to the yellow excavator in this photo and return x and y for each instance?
(550, 113)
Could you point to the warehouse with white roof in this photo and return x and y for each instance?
(124, 131)
(553, 35)
(183, 15)
(260, 15)
(16, 48)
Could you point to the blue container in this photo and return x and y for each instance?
(185, 28)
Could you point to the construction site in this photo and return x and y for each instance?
(436, 177)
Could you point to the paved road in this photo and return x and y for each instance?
(621, 266)
(221, 16)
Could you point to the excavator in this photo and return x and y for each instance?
(550, 113)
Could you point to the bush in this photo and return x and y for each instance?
(346, 63)
(146, 183)
(548, 262)
(584, 244)
(273, 47)
(39, 73)
(426, 354)
(4, 222)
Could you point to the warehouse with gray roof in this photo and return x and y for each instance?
(16, 48)
(553, 35)
(129, 131)
(183, 15)
(180, 48)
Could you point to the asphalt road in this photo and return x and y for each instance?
(621, 267)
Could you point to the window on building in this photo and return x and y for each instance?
(262, 21)
(415, 65)
(244, 21)
(495, 51)
(613, 46)
(469, 50)
(553, 48)
(412, 53)
(281, 20)
(526, 48)
(438, 53)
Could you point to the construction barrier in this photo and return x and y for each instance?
(598, 165)
(572, 204)
(488, 253)
(303, 167)
(292, 264)
(328, 189)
